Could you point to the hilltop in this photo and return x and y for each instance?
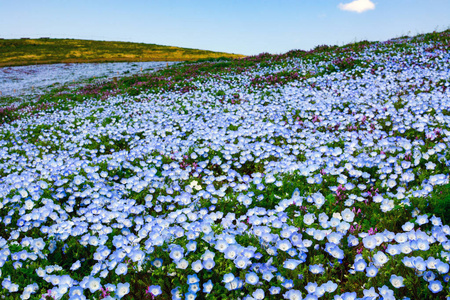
(15, 52)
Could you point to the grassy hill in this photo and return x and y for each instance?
(14, 52)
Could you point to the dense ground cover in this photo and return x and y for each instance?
(320, 174)
(32, 80)
(18, 52)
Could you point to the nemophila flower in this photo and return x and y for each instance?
(442, 267)
(380, 258)
(385, 291)
(346, 296)
(347, 215)
(221, 246)
(284, 245)
(371, 271)
(197, 266)
(334, 250)
(274, 290)
(330, 286)
(293, 295)
(93, 284)
(258, 294)
(266, 275)
(121, 269)
(191, 246)
(435, 286)
(370, 293)
(154, 290)
(311, 287)
(396, 281)
(190, 296)
(334, 222)
(316, 269)
(177, 253)
(408, 226)
(157, 263)
(234, 284)
(192, 279)
(423, 219)
(207, 287)
(436, 221)
(227, 278)
(393, 250)
(288, 284)
(419, 264)
(429, 276)
(182, 264)
(208, 264)
(242, 262)
(122, 289)
(360, 265)
(311, 297)
(370, 242)
(176, 293)
(195, 287)
(352, 240)
(251, 278)
(391, 183)
(318, 235)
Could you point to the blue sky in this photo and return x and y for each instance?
(238, 26)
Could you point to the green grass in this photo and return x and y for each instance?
(15, 52)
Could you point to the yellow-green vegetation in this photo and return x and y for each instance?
(14, 52)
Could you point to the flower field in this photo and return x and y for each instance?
(34, 79)
(319, 174)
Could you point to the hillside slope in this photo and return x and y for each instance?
(14, 52)
(320, 174)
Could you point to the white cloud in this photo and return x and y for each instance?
(358, 6)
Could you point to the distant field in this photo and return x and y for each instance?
(15, 52)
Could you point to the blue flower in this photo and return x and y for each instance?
(311, 287)
(258, 294)
(208, 264)
(207, 287)
(397, 281)
(251, 278)
(191, 246)
(190, 296)
(155, 290)
(267, 276)
(177, 253)
(122, 289)
(316, 269)
(228, 277)
(370, 293)
(93, 284)
(232, 285)
(274, 290)
(191, 279)
(176, 293)
(291, 264)
(429, 276)
(349, 296)
(194, 287)
(288, 284)
(197, 266)
(157, 262)
(371, 271)
(293, 295)
(435, 286)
